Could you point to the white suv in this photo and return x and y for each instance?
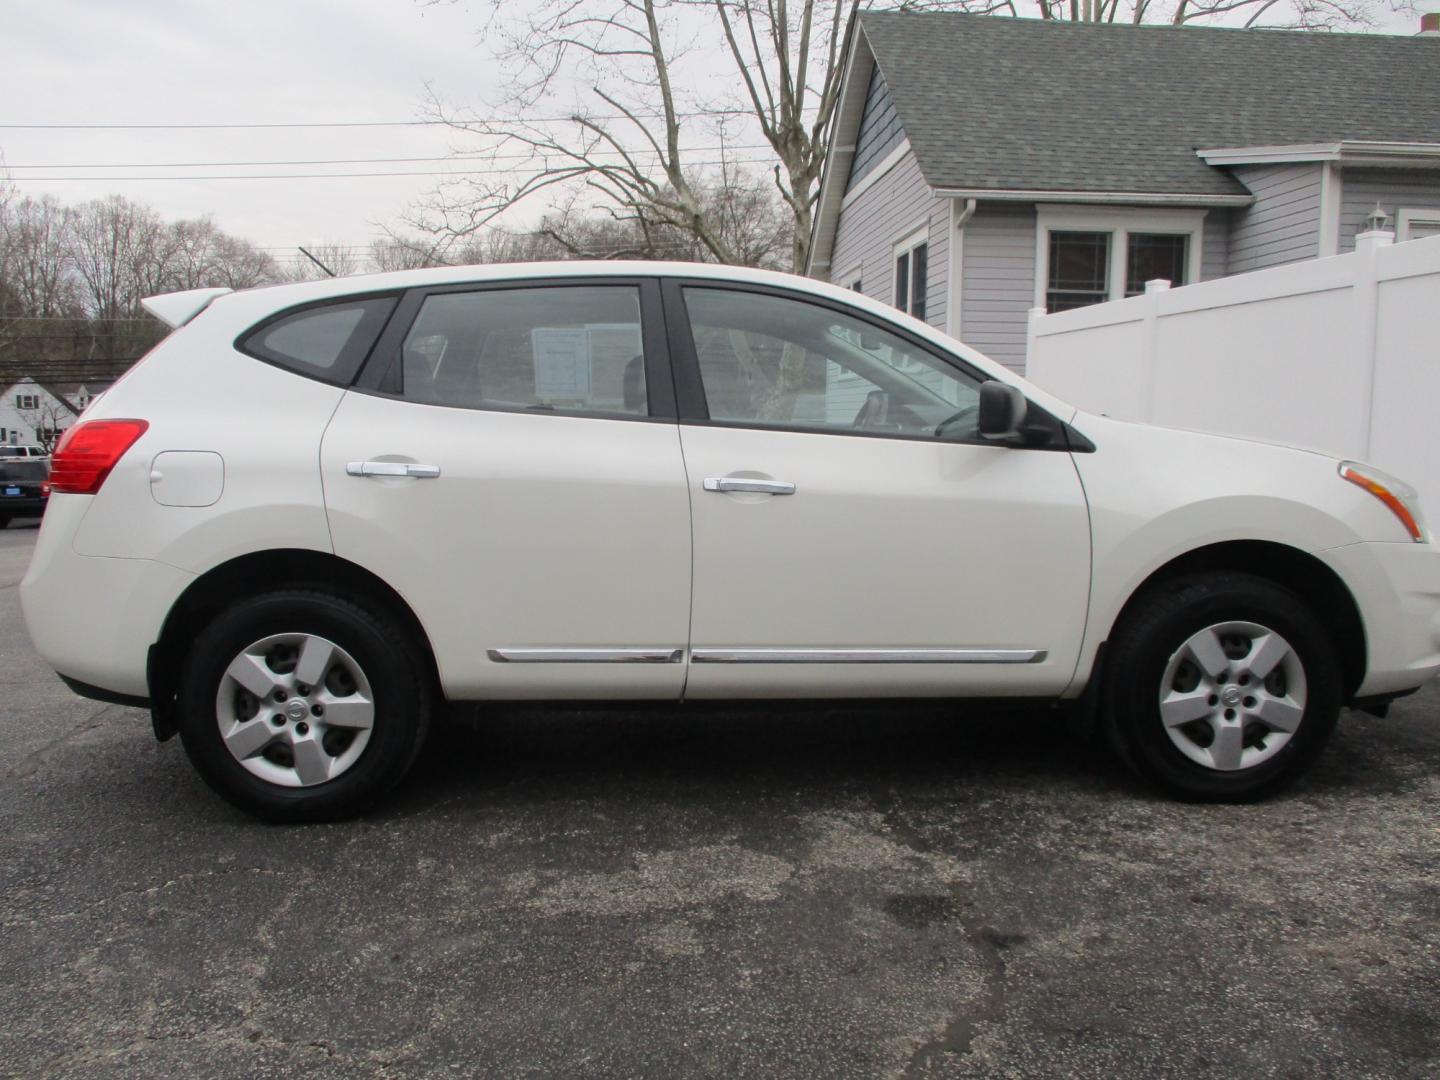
(316, 511)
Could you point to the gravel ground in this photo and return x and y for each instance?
(834, 892)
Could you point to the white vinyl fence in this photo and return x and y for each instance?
(1340, 354)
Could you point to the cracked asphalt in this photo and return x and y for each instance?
(836, 892)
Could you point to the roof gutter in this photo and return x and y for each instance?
(1102, 198)
(1350, 152)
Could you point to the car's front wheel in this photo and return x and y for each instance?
(1222, 687)
(299, 705)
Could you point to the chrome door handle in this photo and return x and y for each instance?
(740, 483)
(392, 468)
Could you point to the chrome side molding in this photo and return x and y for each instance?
(767, 656)
(586, 656)
(867, 656)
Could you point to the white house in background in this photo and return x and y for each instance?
(34, 412)
(980, 166)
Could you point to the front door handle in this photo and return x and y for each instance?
(742, 483)
(392, 468)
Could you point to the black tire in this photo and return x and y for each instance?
(4, 520)
(398, 681)
(1154, 630)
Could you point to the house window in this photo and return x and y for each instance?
(1154, 255)
(1090, 254)
(1079, 270)
(1417, 224)
(912, 272)
(27, 401)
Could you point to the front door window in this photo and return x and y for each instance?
(770, 361)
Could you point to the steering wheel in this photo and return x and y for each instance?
(954, 418)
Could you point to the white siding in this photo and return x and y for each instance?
(893, 206)
(1215, 245)
(998, 283)
(1283, 225)
(1361, 189)
(19, 425)
(880, 130)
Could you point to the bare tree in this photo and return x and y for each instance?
(48, 420)
(238, 264)
(339, 260)
(72, 278)
(596, 108)
(36, 260)
(630, 144)
(398, 252)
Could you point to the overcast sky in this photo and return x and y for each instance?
(245, 61)
(235, 61)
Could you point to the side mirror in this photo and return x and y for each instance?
(1002, 411)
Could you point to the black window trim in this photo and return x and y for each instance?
(695, 412)
(376, 376)
(242, 346)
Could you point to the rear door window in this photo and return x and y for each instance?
(573, 349)
(326, 342)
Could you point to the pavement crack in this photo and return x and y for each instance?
(31, 762)
(149, 890)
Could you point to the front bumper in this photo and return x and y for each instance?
(1397, 588)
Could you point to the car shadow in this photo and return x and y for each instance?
(735, 752)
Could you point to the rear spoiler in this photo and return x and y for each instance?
(178, 308)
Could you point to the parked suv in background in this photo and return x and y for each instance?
(26, 451)
(317, 510)
(24, 487)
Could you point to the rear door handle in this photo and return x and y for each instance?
(392, 468)
(741, 483)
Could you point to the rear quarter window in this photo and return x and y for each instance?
(327, 341)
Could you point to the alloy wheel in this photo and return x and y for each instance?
(1232, 695)
(295, 709)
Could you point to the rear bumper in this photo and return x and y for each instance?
(94, 619)
(22, 506)
(1397, 588)
(96, 693)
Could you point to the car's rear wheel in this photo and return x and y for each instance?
(1221, 687)
(298, 705)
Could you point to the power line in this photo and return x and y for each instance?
(359, 161)
(688, 113)
(355, 175)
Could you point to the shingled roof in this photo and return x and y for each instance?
(1028, 104)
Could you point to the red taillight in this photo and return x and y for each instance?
(88, 451)
(44, 489)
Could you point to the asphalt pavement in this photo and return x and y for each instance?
(830, 892)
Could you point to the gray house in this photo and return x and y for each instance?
(984, 166)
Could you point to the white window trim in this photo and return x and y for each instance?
(1120, 223)
(907, 243)
(846, 280)
(1407, 218)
